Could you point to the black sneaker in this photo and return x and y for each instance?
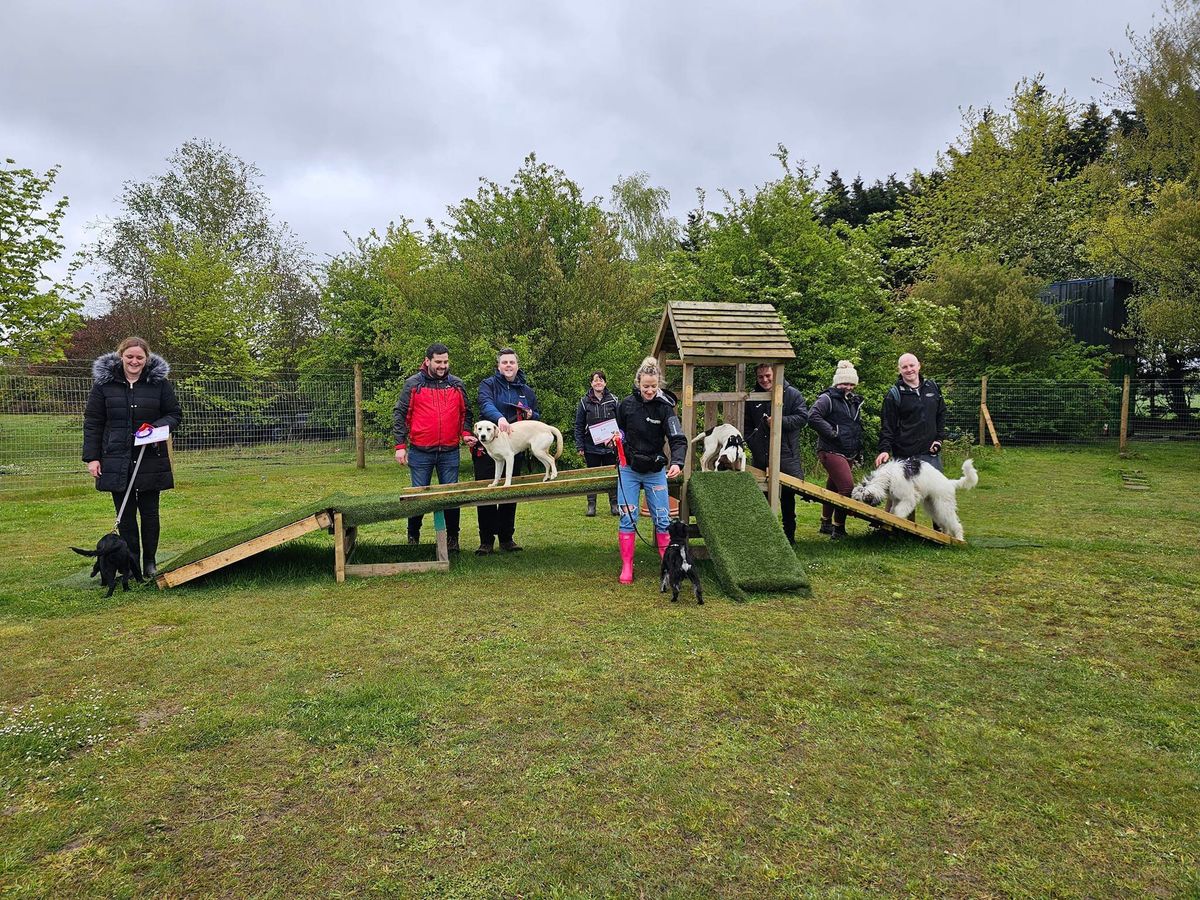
(414, 539)
(485, 549)
(510, 547)
(452, 545)
(826, 528)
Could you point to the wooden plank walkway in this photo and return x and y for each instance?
(861, 510)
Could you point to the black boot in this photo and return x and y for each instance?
(826, 527)
(839, 532)
(612, 505)
(591, 509)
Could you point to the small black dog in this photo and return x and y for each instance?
(677, 563)
(113, 560)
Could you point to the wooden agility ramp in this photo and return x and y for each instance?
(860, 510)
(342, 516)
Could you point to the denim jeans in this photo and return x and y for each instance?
(657, 499)
(422, 464)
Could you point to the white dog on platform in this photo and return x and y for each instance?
(528, 434)
(907, 483)
(724, 448)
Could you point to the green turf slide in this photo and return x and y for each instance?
(745, 540)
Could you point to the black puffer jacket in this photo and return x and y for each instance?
(834, 417)
(758, 432)
(912, 418)
(647, 425)
(115, 410)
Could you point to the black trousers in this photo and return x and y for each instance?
(499, 521)
(145, 504)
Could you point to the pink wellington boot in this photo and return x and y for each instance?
(627, 541)
(663, 541)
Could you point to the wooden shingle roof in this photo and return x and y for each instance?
(722, 333)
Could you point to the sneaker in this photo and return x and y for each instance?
(826, 528)
(149, 570)
(510, 547)
(484, 549)
(451, 545)
(414, 539)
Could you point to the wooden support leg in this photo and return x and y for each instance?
(339, 548)
(439, 526)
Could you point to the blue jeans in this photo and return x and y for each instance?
(655, 486)
(422, 463)
(934, 459)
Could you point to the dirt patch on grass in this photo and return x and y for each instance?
(153, 716)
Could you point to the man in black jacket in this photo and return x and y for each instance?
(913, 424)
(757, 428)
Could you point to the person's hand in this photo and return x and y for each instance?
(881, 459)
(502, 426)
(470, 440)
(673, 471)
(767, 421)
(935, 448)
(402, 456)
(94, 468)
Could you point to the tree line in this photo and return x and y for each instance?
(947, 263)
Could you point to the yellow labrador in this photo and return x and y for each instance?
(529, 434)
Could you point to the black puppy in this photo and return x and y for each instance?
(677, 563)
(113, 560)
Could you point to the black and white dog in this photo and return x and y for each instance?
(113, 560)
(907, 483)
(724, 449)
(677, 563)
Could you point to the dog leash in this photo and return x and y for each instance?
(621, 494)
(143, 430)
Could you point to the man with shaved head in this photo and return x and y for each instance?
(913, 423)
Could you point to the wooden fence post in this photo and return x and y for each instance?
(360, 444)
(982, 407)
(1124, 416)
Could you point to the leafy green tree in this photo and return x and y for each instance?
(37, 315)
(641, 213)
(771, 247)
(1006, 189)
(199, 243)
(983, 317)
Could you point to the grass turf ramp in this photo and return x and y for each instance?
(745, 540)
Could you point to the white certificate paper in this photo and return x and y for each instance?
(154, 436)
(603, 432)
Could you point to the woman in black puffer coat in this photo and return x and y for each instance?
(130, 388)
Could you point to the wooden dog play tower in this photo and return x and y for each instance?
(737, 335)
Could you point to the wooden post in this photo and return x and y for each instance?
(360, 444)
(982, 407)
(339, 548)
(735, 410)
(439, 528)
(689, 429)
(171, 449)
(776, 439)
(1124, 416)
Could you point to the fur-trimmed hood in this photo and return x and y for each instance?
(108, 368)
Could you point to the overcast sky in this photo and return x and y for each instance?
(362, 113)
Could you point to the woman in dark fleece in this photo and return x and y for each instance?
(131, 388)
(835, 418)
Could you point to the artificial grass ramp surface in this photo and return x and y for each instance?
(744, 539)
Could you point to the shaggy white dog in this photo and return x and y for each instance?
(909, 482)
(724, 448)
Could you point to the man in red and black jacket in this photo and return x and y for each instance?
(431, 417)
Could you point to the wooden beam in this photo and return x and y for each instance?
(727, 396)
(776, 440)
(859, 510)
(688, 421)
(370, 570)
(339, 548)
(735, 406)
(1124, 415)
(987, 417)
(176, 577)
(982, 406)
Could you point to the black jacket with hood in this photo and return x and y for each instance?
(758, 432)
(912, 418)
(647, 425)
(113, 413)
(589, 411)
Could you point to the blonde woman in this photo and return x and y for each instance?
(648, 423)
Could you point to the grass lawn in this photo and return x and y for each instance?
(1017, 717)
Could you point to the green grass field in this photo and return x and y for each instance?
(1019, 717)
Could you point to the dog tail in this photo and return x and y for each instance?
(85, 552)
(969, 479)
(558, 440)
(702, 435)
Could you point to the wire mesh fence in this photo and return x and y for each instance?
(311, 416)
(225, 420)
